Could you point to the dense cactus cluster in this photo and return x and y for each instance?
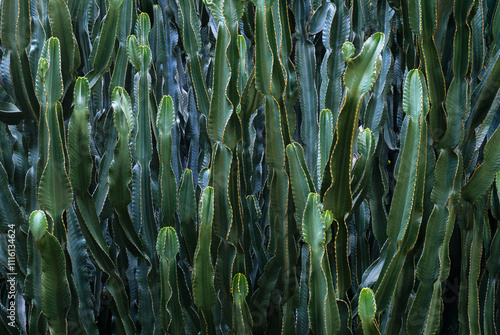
(235, 166)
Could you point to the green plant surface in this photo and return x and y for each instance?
(249, 167)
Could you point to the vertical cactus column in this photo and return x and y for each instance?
(405, 215)
(139, 55)
(360, 74)
(225, 132)
(120, 170)
(80, 163)
(322, 309)
(242, 319)
(167, 247)
(203, 273)
(54, 192)
(367, 310)
(165, 122)
(271, 81)
(56, 297)
(432, 269)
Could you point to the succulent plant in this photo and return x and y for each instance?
(264, 166)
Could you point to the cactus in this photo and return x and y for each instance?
(367, 310)
(203, 276)
(322, 310)
(242, 320)
(265, 166)
(167, 247)
(55, 286)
